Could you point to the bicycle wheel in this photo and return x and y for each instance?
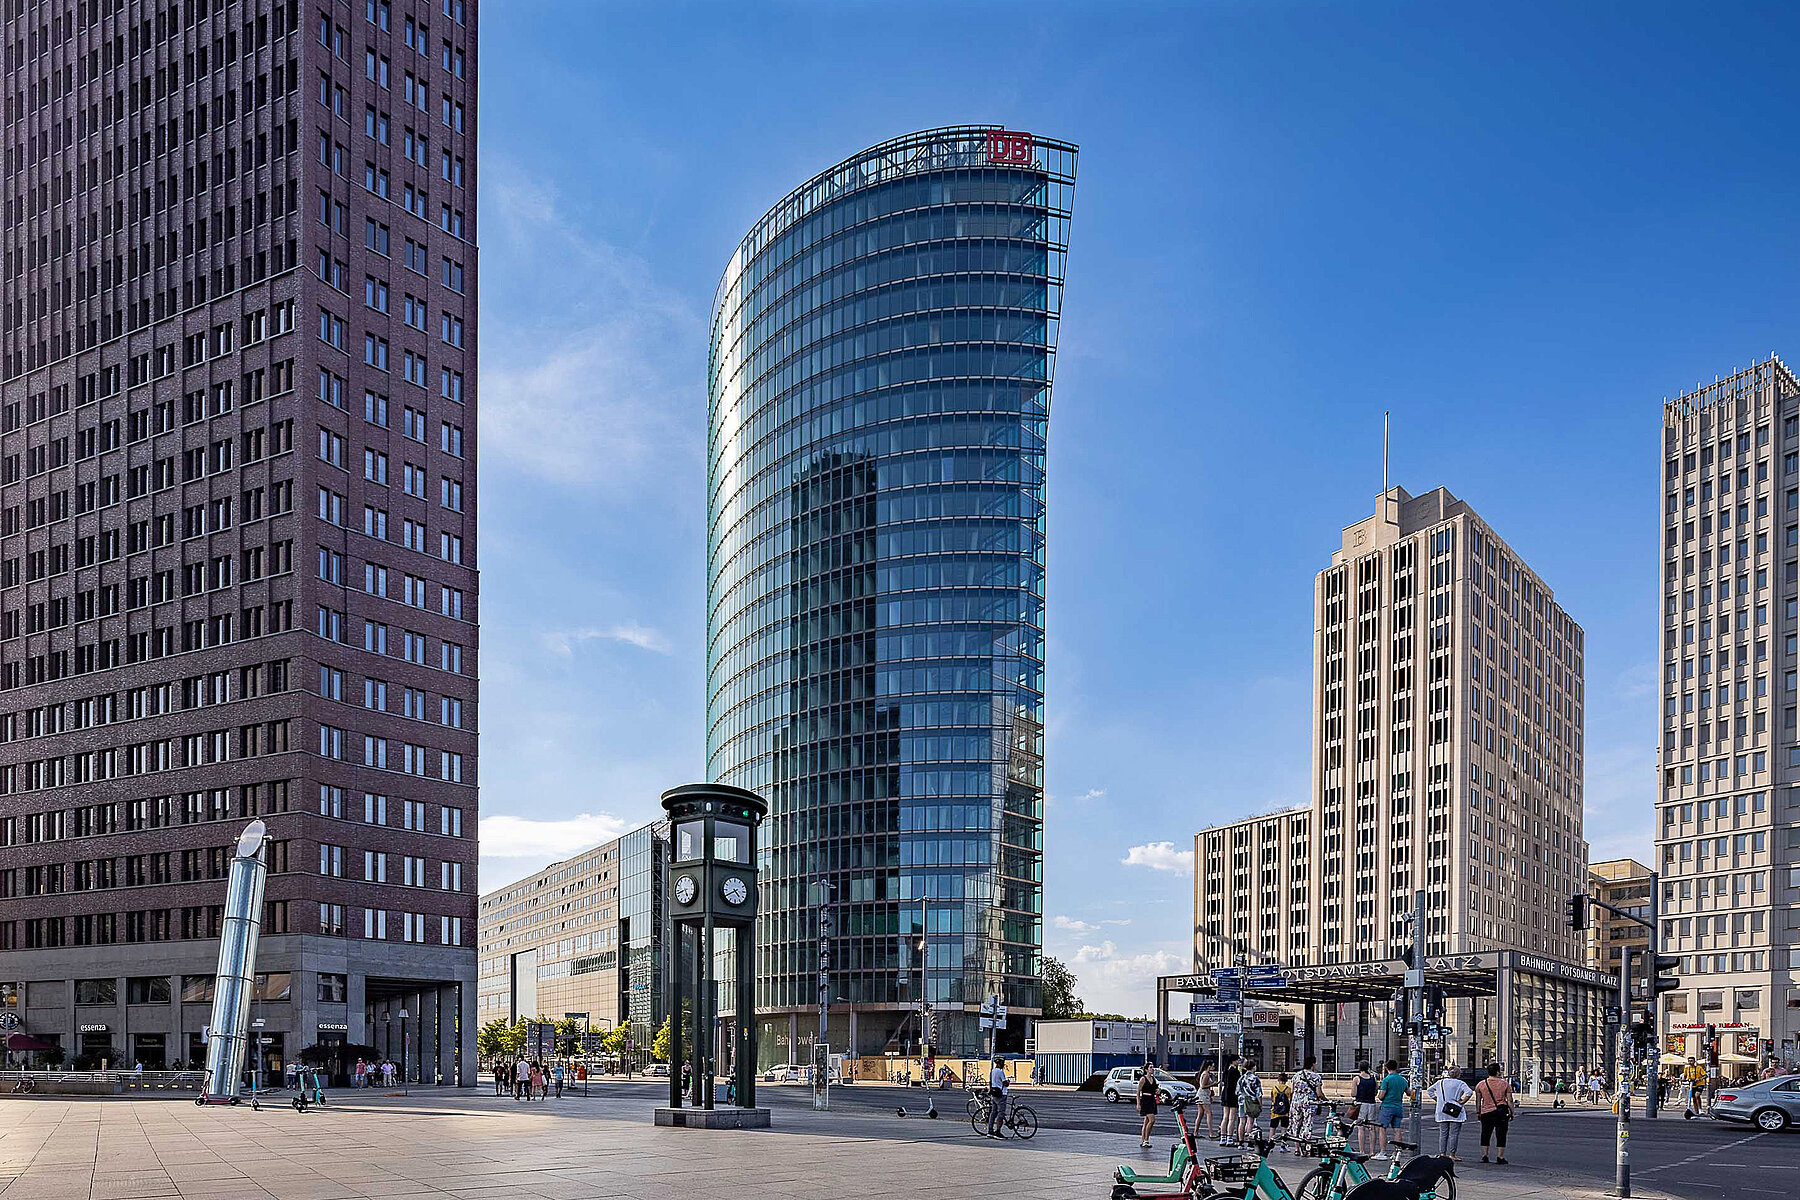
(1314, 1185)
(977, 1118)
(1446, 1188)
(1024, 1122)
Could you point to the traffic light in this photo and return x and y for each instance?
(1435, 1000)
(1578, 911)
(1642, 1029)
(1712, 1045)
(1660, 983)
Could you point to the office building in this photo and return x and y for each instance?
(1447, 757)
(879, 387)
(1624, 883)
(1728, 809)
(580, 936)
(237, 519)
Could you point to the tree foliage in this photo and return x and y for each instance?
(659, 1047)
(1060, 999)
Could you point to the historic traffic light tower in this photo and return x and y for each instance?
(710, 879)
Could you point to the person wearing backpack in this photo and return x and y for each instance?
(1450, 1094)
(1494, 1105)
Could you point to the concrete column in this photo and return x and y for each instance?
(468, 1073)
(428, 1037)
(854, 1049)
(793, 1036)
(355, 993)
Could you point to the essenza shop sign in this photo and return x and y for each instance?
(1009, 149)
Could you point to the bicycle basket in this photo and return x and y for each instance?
(1239, 1169)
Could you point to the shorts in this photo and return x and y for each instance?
(1389, 1117)
(1365, 1111)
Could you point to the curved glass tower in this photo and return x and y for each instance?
(879, 387)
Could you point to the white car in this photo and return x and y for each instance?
(1122, 1083)
(784, 1073)
(657, 1071)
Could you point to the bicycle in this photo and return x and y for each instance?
(1341, 1170)
(1019, 1120)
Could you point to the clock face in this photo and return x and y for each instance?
(685, 887)
(734, 890)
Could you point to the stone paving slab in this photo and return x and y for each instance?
(469, 1146)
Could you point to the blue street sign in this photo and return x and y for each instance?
(1225, 973)
(1231, 993)
(1266, 981)
(1264, 969)
(1211, 1008)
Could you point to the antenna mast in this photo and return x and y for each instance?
(1384, 453)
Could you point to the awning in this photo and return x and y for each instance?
(1671, 1060)
(1738, 1058)
(23, 1042)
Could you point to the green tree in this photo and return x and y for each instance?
(568, 1036)
(1060, 999)
(613, 1042)
(659, 1048)
(491, 1039)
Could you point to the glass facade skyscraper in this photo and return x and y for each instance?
(879, 390)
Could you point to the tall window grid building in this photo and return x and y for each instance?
(1728, 810)
(237, 517)
(1447, 756)
(879, 386)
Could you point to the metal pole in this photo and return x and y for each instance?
(1622, 1081)
(1415, 1012)
(1653, 1048)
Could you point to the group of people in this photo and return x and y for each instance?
(1296, 1104)
(368, 1074)
(528, 1079)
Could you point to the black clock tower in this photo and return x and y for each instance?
(711, 881)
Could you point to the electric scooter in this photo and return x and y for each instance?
(1184, 1174)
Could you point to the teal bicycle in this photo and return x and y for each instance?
(1341, 1172)
(1340, 1177)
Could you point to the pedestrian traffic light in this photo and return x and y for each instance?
(1578, 911)
(1660, 983)
(1435, 1000)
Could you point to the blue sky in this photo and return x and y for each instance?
(1518, 227)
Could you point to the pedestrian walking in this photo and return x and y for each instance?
(521, 1079)
(557, 1073)
(1368, 1133)
(1281, 1104)
(1596, 1085)
(997, 1096)
(500, 1078)
(1581, 1083)
(1309, 1094)
(1205, 1086)
(360, 1075)
(1228, 1104)
(1250, 1099)
(1390, 1094)
(387, 1073)
(1494, 1104)
(537, 1080)
(1146, 1102)
(1451, 1096)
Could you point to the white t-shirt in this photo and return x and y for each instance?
(997, 1079)
(1451, 1091)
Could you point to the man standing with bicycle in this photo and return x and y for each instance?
(996, 1097)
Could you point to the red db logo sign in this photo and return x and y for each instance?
(1010, 149)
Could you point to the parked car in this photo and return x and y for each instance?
(1122, 1084)
(657, 1071)
(1768, 1104)
(784, 1073)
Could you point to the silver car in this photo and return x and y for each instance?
(1769, 1104)
(1123, 1081)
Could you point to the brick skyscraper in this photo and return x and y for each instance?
(237, 518)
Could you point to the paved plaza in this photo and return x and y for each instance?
(479, 1147)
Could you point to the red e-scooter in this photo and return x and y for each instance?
(1186, 1176)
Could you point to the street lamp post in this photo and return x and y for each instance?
(405, 1055)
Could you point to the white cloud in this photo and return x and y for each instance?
(563, 642)
(1123, 982)
(1159, 856)
(589, 385)
(526, 837)
(1073, 926)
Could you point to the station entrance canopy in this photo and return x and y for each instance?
(1545, 1008)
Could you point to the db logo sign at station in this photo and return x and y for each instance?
(1009, 149)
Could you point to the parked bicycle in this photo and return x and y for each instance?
(1341, 1170)
(1019, 1120)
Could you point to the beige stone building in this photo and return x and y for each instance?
(1624, 883)
(550, 943)
(1728, 804)
(1447, 755)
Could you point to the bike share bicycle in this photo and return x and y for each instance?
(1250, 1177)
(1185, 1173)
(1341, 1171)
